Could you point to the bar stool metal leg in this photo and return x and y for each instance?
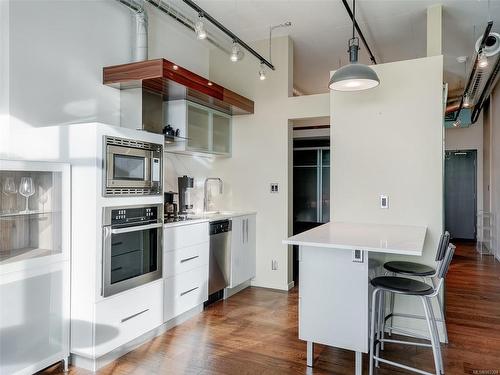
(382, 320)
(372, 329)
(432, 333)
(436, 335)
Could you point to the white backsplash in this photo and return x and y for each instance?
(177, 165)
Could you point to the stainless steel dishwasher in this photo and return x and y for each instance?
(219, 266)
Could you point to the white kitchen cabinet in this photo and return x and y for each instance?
(34, 318)
(34, 265)
(123, 317)
(242, 249)
(201, 129)
(185, 268)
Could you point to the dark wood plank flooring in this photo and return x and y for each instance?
(255, 332)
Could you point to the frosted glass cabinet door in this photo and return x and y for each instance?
(221, 133)
(34, 318)
(198, 128)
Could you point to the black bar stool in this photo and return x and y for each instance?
(409, 287)
(423, 271)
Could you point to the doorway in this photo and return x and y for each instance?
(460, 197)
(311, 187)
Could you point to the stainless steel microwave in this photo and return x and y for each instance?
(132, 167)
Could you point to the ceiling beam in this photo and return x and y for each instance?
(435, 30)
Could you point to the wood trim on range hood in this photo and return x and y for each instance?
(174, 82)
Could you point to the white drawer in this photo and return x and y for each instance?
(124, 317)
(185, 259)
(185, 291)
(185, 235)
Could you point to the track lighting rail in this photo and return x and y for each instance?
(228, 32)
(361, 36)
(473, 71)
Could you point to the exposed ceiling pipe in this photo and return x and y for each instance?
(140, 51)
(361, 36)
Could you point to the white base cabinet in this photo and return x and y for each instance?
(185, 268)
(34, 318)
(126, 316)
(242, 249)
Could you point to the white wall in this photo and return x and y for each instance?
(383, 143)
(261, 149)
(470, 138)
(4, 75)
(494, 116)
(58, 49)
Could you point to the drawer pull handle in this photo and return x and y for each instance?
(188, 259)
(189, 291)
(133, 316)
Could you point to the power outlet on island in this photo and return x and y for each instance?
(274, 187)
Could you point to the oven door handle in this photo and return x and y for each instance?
(136, 228)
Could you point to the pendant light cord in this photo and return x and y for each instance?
(353, 17)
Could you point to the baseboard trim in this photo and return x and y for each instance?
(95, 364)
(228, 292)
(291, 284)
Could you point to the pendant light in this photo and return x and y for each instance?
(355, 76)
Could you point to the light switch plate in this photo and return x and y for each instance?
(384, 201)
(274, 187)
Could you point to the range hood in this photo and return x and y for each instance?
(168, 81)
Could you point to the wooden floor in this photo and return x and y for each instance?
(255, 332)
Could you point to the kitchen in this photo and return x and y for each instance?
(233, 180)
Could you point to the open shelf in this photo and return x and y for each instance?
(30, 213)
(25, 254)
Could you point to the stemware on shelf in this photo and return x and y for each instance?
(26, 189)
(9, 188)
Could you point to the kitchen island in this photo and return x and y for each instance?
(335, 261)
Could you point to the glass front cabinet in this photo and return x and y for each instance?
(202, 130)
(34, 265)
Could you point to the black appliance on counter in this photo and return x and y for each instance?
(185, 185)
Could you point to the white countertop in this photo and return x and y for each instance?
(382, 238)
(195, 219)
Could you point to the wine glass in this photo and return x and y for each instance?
(43, 196)
(9, 187)
(26, 189)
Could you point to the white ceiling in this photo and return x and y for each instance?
(395, 30)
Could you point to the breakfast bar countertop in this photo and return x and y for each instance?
(383, 238)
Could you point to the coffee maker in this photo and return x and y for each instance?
(185, 185)
(170, 207)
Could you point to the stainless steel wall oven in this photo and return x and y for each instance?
(132, 247)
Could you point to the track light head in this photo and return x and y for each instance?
(262, 72)
(482, 60)
(467, 102)
(236, 53)
(199, 28)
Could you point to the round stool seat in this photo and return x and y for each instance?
(409, 268)
(402, 285)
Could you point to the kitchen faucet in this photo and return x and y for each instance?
(205, 191)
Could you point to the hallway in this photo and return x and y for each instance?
(255, 332)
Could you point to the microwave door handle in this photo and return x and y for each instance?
(136, 228)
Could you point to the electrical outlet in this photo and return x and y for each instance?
(357, 256)
(274, 265)
(274, 187)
